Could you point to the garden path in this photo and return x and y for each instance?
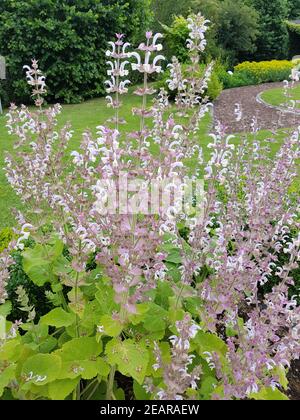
(267, 116)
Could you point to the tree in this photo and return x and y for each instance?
(294, 9)
(272, 43)
(234, 27)
(238, 29)
(165, 11)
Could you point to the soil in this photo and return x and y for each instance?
(294, 381)
(268, 117)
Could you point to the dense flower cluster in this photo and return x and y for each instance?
(191, 89)
(177, 374)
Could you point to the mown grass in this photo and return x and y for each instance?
(276, 96)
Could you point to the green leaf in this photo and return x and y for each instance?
(207, 387)
(41, 369)
(112, 327)
(208, 342)
(5, 309)
(58, 318)
(37, 265)
(86, 369)
(48, 345)
(281, 372)
(164, 292)
(10, 350)
(131, 358)
(62, 388)
(141, 309)
(105, 297)
(82, 348)
(140, 392)
(269, 394)
(174, 256)
(156, 318)
(119, 394)
(6, 376)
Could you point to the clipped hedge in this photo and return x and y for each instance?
(69, 38)
(266, 71)
(256, 72)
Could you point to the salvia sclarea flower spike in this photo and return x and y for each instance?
(151, 46)
(189, 86)
(118, 84)
(37, 80)
(147, 66)
(6, 260)
(177, 374)
(198, 26)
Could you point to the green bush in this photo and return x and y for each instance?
(18, 278)
(6, 236)
(36, 295)
(254, 73)
(69, 38)
(175, 39)
(233, 29)
(215, 87)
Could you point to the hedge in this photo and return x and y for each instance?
(256, 72)
(69, 38)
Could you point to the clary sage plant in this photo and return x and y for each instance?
(155, 257)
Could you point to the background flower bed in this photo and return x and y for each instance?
(255, 73)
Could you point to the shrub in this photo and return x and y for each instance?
(266, 71)
(36, 295)
(233, 34)
(254, 73)
(68, 38)
(175, 38)
(231, 37)
(232, 80)
(6, 236)
(294, 9)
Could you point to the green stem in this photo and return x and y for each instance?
(110, 385)
(88, 386)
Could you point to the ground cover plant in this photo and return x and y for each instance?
(169, 296)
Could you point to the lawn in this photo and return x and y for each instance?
(276, 96)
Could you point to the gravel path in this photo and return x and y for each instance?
(268, 117)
